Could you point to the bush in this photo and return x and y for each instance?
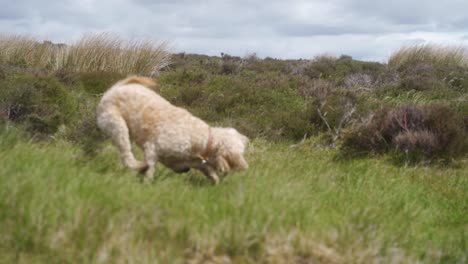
(230, 64)
(85, 131)
(432, 131)
(42, 103)
(323, 66)
(325, 99)
(339, 69)
(97, 83)
(359, 80)
(420, 77)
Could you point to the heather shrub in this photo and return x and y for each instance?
(183, 87)
(41, 103)
(359, 80)
(456, 78)
(230, 64)
(97, 83)
(366, 136)
(322, 66)
(423, 141)
(432, 131)
(450, 129)
(84, 131)
(422, 76)
(318, 88)
(328, 104)
(339, 69)
(260, 66)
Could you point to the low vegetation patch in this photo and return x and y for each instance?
(41, 103)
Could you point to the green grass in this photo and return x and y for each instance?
(293, 204)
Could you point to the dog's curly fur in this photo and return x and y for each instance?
(130, 111)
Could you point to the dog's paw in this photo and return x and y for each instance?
(143, 168)
(182, 170)
(148, 180)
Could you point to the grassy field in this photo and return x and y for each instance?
(350, 161)
(295, 204)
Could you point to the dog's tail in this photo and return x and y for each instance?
(145, 81)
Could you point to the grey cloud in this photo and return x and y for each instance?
(318, 30)
(408, 12)
(296, 28)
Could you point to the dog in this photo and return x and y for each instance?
(130, 111)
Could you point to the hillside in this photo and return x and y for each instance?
(350, 162)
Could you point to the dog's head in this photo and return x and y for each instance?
(229, 151)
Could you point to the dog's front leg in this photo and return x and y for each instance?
(210, 173)
(151, 159)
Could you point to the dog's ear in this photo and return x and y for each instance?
(245, 140)
(236, 161)
(223, 165)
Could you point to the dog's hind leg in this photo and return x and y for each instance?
(151, 158)
(112, 123)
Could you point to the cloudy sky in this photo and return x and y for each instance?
(364, 29)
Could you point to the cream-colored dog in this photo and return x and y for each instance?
(166, 133)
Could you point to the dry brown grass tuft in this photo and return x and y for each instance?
(294, 247)
(27, 51)
(92, 53)
(436, 55)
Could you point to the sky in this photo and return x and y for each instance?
(288, 29)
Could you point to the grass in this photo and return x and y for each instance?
(92, 53)
(308, 206)
(440, 56)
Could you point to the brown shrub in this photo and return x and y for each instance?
(404, 118)
(433, 131)
(366, 135)
(322, 66)
(422, 76)
(318, 88)
(359, 80)
(413, 141)
(230, 64)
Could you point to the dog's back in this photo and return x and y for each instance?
(135, 105)
(145, 113)
(132, 92)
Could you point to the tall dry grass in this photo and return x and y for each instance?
(436, 55)
(28, 51)
(92, 53)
